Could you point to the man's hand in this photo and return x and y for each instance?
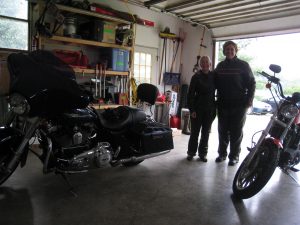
(250, 103)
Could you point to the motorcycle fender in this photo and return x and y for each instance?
(11, 137)
(297, 119)
(277, 142)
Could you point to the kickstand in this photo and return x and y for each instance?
(291, 176)
(71, 188)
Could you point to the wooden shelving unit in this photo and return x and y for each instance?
(92, 14)
(74, 41)
(69, 42)
(88, 72)
(77, 41)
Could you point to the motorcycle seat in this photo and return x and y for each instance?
(121, 117)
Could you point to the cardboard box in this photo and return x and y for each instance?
(109, 32)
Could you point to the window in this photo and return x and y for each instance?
(142, 67)
(14, 24)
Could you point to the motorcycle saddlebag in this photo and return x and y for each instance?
(156, 138)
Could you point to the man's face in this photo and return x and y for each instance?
(229, 51)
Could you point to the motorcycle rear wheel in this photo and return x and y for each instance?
(249, 180)
(5, 158)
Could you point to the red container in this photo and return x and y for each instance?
(175, 122)
(97, 8)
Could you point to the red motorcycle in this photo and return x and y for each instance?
(278, 145)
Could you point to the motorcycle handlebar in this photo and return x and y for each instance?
(270, 78)
(274, 80)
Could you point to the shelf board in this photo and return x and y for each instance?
(88, 42)
(104, 106)
(119, 73)
(88, 72)
(91, 13)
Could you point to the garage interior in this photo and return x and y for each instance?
(163, 190)
(166, 189)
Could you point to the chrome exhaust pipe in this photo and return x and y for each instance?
(134, 158)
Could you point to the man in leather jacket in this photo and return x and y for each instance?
(201, 103)
(235, 85)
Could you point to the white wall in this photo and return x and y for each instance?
(149, 37)
(192, 48)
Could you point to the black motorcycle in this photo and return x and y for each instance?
(48, 108)
(278, 145)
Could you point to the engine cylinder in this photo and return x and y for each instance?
(97, 157)
(77, 138)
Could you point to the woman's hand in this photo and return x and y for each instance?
(193, 115)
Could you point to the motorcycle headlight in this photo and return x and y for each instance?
(19, 104)
(289, 111)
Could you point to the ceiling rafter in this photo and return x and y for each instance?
(216, 6)
(153, 2)
(216, 13)
(232, 5)
(245, 16)
(247, 20)
(249, 11)
(187, 4)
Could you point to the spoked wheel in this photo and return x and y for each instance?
(5, 158)
(253, 175)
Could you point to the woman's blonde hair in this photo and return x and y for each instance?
(205, 57)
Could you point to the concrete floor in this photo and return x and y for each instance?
(166, 190)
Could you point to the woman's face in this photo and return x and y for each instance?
(205, 64)
(229, 52)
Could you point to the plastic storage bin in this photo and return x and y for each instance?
(118, 59)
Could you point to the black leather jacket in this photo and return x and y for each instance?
(235, 83)
(201, 93)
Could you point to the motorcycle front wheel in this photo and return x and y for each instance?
(5, 158)
(253, 175)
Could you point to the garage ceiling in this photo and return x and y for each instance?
(220, 13)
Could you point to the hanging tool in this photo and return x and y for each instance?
(96, 77)
(123, 99)
(175, 53)
(182, 36)
(120, 90)
(165, 62)
(113, 80)
(197, 66)
(100, 75)
(126, 90)
(165, 35)
(133, 86)
(104, 79)
(162, 59)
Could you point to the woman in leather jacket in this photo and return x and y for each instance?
(201, 103)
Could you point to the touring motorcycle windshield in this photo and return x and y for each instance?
(48, 83)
